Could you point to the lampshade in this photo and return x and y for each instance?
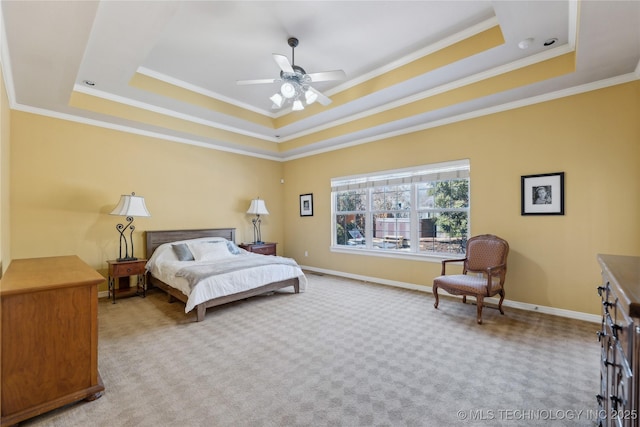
(288, 90)
(310, 96)
(277, 100)
(131, 205)
(258, 207)
(297, 105)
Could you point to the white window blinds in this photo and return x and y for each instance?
(458, 169)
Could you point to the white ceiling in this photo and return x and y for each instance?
(50, 48)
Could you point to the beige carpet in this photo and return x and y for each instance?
(344, 353)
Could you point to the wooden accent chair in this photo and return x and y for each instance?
(486, 254)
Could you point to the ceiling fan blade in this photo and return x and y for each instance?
(327, 75)
(256, 81)
(322, 98)
(283, 63)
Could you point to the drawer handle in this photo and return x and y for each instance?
(128, 270)
(615, 329)
(615, 400)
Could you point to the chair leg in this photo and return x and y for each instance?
(464, 299)
(435, 294)
(479, 300)
(500, 303)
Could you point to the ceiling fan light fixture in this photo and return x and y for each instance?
(277, 100)
(295, 89)
(297, 105)
(288, 90)
(310, 96)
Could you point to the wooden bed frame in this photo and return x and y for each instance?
(157, 238)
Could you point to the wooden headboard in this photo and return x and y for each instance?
(157, 238)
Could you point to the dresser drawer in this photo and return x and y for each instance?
(619, 323)
(264, 250)
(126, 269)
(260, 248)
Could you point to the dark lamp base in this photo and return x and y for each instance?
(127, 259)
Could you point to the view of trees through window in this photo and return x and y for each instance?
(426, 216)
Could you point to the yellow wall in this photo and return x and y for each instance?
(5, 235)
(66, 178)
(593, 137)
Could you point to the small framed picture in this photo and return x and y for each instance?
(306, 204)
(543, 194)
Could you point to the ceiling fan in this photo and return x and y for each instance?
(296, 83)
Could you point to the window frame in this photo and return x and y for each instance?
(413, 177)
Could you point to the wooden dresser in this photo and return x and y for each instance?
(619, 338)
(49, 336)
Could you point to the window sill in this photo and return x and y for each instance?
(429, 257)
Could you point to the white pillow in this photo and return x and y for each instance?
(209, 251)
(165, 253)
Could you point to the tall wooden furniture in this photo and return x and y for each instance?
(618, 399)
(49, 336)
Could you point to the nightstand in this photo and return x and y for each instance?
(120, 271)
(263, 248)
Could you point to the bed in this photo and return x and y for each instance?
(218, 271)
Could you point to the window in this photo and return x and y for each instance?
(423, 210)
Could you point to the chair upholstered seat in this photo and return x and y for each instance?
(486, 256)
(460, 284)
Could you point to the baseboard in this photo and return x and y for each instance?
(506, 303)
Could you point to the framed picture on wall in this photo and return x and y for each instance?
(543, 194)
(306, 204)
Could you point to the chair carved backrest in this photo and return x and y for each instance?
(485, 251)
(486, 254)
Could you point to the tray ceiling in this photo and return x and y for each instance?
(169, 69)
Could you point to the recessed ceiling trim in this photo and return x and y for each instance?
(128, 129)
(463, 49)
(171, 124)
(428, 50)
(626, 78)
(407, 59)
(549, 54)
(202, 91)
(166, 112)
(216, 106)
(576, 90)
(488, 37)
(557, 66)
(494, 72)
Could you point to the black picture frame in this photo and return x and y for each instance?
(306, 204)
(542, 194)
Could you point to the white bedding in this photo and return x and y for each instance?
(164, 265)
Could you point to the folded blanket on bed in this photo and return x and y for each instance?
(196, 273)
